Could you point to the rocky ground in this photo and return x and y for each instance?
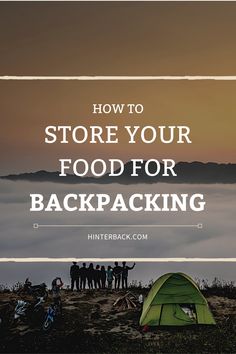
(91, 324)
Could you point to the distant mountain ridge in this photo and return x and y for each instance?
(187, 172)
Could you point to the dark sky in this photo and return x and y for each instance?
(89, 38)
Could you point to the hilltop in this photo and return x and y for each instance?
(91, 324)
(187, 172)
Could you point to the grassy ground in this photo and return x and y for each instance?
(90, 324)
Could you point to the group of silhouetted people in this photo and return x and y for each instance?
(99, 277)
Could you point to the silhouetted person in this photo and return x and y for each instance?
(125, 271)
(103, 276)
(117, 270)
(75, 275)
(90, 276)
(83, 276)
(97, 277)
(109, 277)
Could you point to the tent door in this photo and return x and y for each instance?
(173, 314)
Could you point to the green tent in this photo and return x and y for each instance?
(175, 300)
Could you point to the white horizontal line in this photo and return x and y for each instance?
(119, 0)
(100, 259)
(37, 226)
(120, 78)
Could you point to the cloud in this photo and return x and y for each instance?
(19, 239)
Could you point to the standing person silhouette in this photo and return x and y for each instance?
(97, 277)
(75, 275)
(125, 271)
(83, 276)
(110, 277)
(90, 275)
(117, 270)
(103, 277)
